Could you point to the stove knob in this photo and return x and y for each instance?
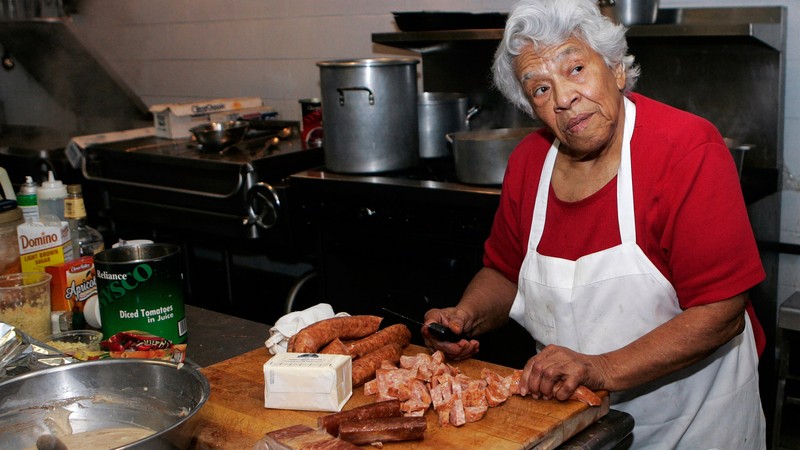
(263, 206)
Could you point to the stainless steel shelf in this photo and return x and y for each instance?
(763, 24)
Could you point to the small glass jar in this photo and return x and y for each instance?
(25, 302)
(9, 244)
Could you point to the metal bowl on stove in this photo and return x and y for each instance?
(481, 156)
(71, 400)
(216, 136)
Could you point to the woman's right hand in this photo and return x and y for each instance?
(459, 322)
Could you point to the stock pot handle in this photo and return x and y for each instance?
(355, 88)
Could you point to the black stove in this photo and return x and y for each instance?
(227, 211)
(233, 193)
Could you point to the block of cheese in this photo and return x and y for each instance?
(308, 381)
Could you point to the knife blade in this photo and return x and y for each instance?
(437, 330)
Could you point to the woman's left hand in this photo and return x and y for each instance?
(555, 372)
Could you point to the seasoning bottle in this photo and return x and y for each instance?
(26, 200)
(86, 241)
(50, 198)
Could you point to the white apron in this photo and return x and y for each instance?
(605, 300)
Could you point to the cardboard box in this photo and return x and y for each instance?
(42, 245)
(308, 381)
(72, 284)
(173, 120)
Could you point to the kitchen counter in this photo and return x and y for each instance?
(215, 337)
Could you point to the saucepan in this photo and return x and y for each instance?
(218, 136)
(481, 156)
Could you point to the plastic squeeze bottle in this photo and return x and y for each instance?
(50, 196)
(26, 199)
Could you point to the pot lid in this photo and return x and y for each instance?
(368, 62)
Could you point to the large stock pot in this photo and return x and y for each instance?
(370, 114)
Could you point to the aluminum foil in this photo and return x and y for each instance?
(20, 353)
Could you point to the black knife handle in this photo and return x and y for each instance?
(442, 333)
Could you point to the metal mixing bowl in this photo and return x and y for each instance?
(93, 395)
(216, 136)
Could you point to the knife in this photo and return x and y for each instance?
(437, 330)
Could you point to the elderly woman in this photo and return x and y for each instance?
(621, 242)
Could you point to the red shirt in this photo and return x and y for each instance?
(691, 219)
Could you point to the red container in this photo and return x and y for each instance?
(311, 125)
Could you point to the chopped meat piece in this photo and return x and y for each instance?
(420, 399)
(474, 394)
(512, 381)
(475, 413)
(394, 383)
(496, 390)
(371, 387)
(457, 415)
(585, 395)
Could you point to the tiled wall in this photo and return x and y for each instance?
(183, 50)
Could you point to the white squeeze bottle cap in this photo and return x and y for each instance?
(50, 198)
(51, 188)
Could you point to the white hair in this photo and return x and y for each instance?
(545, 23)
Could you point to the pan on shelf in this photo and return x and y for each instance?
(435, 20)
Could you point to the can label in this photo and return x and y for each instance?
(140, 287)
(311, 126)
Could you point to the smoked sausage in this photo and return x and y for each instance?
(394, 334)
(300, 437)
(364, 368)
(388, 408)
(317, 335)
(336, 347)
(384, 429)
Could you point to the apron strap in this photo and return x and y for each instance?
(542, 195)
(627, 220)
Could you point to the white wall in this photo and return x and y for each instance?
(184, 50)
(193, 49)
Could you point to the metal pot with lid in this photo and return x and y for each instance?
(370, 114)
(441, 113)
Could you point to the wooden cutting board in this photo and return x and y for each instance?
(234, 417)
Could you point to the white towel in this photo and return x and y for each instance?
(288, 325)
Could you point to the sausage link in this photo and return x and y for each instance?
(317, 335)
(384, 429)
(398, 334)
(336, 347)
(388, 408)
(364, 368)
